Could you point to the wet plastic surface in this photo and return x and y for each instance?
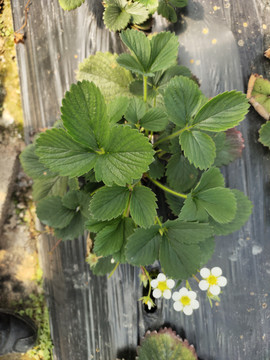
(222, 42)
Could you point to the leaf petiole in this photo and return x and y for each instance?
(165, 188)
(145, 88)
(173, 135)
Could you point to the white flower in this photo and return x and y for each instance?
(162, 286)
(212, 280)
(185, 301)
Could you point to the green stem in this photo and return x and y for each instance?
(145, 88)
(177, 133)
(158, 221)
(166, 189)
(126, 212)
(149, 279)
(116, 266)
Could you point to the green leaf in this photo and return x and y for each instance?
(211, 178)
(56, 186)
(193, 210)
(84, 115)
(181, 175)
(94, 225)
(52, 212)
(139, 45)
(102, 68)
(179, 3)
(135, 111)
(74, 229)
(77, 201)
(120, 256)
(243, 211)
(117, 108)
(170, 73)
(148, 55)
(180, 255)
(103, 266)
(199, 148)
(182, 99)
(167, 11)
(175, 203)
(156, 169)
(164, 51)
(57, 150)
(138, 12)
(261, 92)
(143, 246)
(155, 120)
(143, 206)
(110, 240)
(220, 203)
(73, 184)
(222, 112)
(70, 4)
(115, 15)
(151, 5)
(264, 133)
(109, 202)
(32, 166)
(126, 157)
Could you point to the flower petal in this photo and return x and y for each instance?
(170, 283)
(192, 295)
(183, 292)
(187, 310)
(167, 294)
(157, 293)
(154, 283)
(222, 281)
(176, 296)
(214, 289)
(216, 271)
(194, 304)
(203, 285)
(177, 306)
(205, 273)
(161, 277)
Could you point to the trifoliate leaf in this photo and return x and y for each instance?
(56, 186)
(74, 229)
(77, 201)
(199, 148)
(265, 134)
(156, 169)
(180, 255)
(229, 146)
(138, 12)
(181, 175)
(182, 99)
(220, 203)
(151, 5)
(110, 240)
(222, 112)
(70, 4)
(167, 11)
(32, 166)
(193, 210)
(57, 150)
(109, 202)
(143, 246)
(243, 211)
(210, 179)
(135, 111)
(170, 73)
(120, 256)
(102, 68)
(115, 15)
(53, 213)
(143, 206)
(84, 115)
(148, 55)
(155, 120)
(103, 266)
(117, 108)
(126, 157)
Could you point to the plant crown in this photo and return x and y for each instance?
(136, 133)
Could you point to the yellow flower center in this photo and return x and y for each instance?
(162, 286)
(212, 280)
(185, 300)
